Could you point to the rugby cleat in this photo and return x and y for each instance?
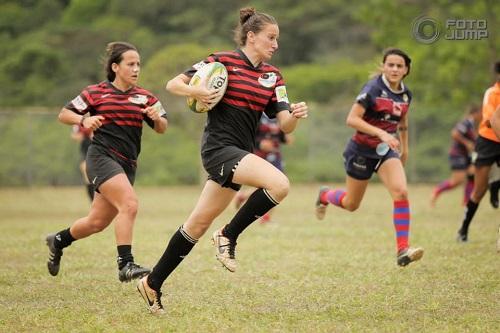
(132, 271)
(150, 296)
(461, 237)
(408, 255)
(225, 249)
(55, 255)
(320, 206)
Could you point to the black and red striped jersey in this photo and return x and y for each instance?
(121, 128)
(384, 108)
(250, 91)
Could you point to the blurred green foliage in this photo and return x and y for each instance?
(51, 49)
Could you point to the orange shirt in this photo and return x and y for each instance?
(491, 102)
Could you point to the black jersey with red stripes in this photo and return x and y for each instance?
(384, 108)
(251, 90)
(121, 128)
(465, 128)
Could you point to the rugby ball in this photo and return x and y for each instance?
(214, 75)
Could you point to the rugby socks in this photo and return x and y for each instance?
(177, 249)
(334, 197)
(259, 203)
(470, 211)
(63, 239)
(469, 186)
(443, 186)
(124, 255)
(494, 187)
(401, 218)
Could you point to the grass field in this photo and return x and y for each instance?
(295, 274)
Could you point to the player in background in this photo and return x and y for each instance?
(379, 113)
(268, 141)
(83, 136)
(460, 155)
(254, 87)
(116, 110)
(488, 153)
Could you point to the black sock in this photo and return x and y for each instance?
(63, 239)
(124, 255)
(179, 247)
(90, 191)
(494, 187)
(470, 210)
(259, 203)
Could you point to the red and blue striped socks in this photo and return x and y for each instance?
(401, 218)
(334, 197)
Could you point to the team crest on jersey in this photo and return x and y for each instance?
(138, 99)
(397, 109)
(384, 94)
(199, 65)
(405, 98)
(281, 94)
(79, 103)
(268, 79)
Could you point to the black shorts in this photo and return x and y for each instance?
(459, 162)
(361, 162)
(221, 163)
(102, 165)
(488, 152)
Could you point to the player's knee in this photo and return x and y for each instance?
(280, 188)
(130, 206)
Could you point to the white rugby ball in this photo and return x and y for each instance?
(215, 76)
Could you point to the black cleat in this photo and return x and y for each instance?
(55, 255)
(132, 271)
(493, 197)
(461, 237)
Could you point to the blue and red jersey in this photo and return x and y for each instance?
(269, 130)
(384, 108)
(466, 129)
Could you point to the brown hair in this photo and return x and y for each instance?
(473, 108)
(400, 53)
(114, 55)
(251, 20)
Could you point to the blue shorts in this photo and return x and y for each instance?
(361, 161)
(459, 162)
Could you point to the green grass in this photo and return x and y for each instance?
(295, 275)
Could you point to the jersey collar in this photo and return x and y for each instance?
(388, 85)
(245, 58)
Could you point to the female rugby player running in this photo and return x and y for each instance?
(117, 109)
(254, 87)
(380, 111)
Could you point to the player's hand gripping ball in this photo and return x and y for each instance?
(214, 75)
